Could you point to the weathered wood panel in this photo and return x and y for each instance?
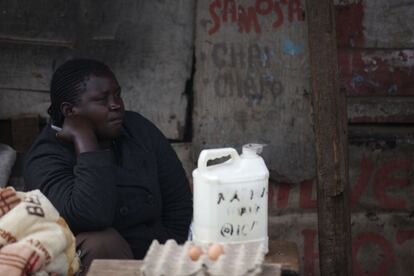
(380, 177)
(382, 189)
(252, 82)
(14, 103)
(28, 68)
(364, 133)
(39, 22)
(349, 23)
(133, 268)
(377, 72)
(381, 109)
(375, 24)
(149, 45)
(382, 242)
(331, 129)
(24, 131)
(183, 153)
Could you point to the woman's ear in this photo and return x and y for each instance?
(66, 109)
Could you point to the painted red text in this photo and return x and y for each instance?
(247, 18)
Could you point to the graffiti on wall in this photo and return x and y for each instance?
(376, 72)
(256, 86)
(247, 17)
(381, 179)
(374, 252)
(251, 71)
(387, 249)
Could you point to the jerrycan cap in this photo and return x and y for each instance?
(252, 150)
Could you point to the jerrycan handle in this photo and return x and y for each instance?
(210, 154)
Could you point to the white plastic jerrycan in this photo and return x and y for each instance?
(230, 199)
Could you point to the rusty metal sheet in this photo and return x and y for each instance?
(252, 82)
(349, 17)
(377, 72)
(381, 110)
(375, 24)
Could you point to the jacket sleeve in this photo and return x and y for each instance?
(83, 191)
(177, 203)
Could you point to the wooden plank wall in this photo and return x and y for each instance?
(148, 44)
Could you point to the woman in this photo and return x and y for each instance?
(111, 173)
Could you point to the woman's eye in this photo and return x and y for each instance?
(102, 99)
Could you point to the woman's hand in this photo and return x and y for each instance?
(79, 131)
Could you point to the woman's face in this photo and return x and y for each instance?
(102, 104)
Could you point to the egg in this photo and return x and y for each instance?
(194, 252)
(214, 251)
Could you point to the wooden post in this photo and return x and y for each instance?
(330, 126)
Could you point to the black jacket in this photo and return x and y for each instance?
(138, 187)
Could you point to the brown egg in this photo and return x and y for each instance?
(194, 252)
(214, 251)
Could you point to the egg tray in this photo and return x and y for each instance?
(171, 259)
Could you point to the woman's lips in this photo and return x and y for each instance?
(116, 121)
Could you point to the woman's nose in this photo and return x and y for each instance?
(115, 101)
(114, 105)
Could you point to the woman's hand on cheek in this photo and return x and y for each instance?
(79, 131)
